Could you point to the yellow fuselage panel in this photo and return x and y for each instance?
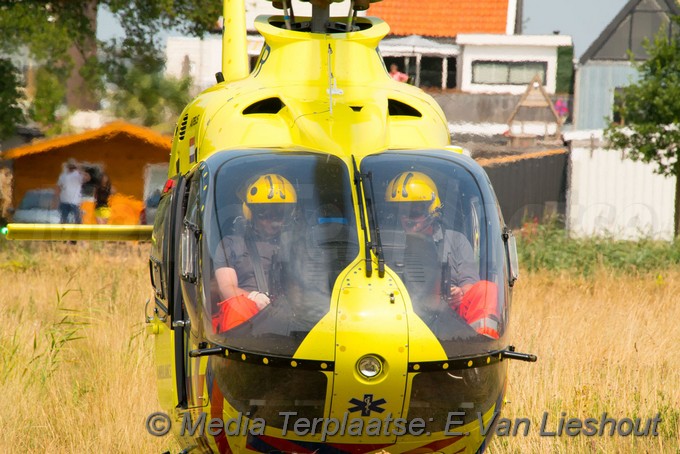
(328, 92)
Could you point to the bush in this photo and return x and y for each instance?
(549, 247)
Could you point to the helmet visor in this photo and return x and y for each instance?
(272, 212)
(415, 214)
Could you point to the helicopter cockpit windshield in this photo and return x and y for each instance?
(281, 228)
(277, 229)
(440, 233)
(270, 262)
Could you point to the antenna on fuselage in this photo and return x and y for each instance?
(234, 41)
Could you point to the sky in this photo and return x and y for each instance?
(583, 20)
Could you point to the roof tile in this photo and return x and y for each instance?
(442, 18)
(108, 131)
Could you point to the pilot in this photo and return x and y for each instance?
(243, 261)
(473, 299)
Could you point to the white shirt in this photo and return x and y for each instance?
(71, 183)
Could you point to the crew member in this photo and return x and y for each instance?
(243, 261)
(475, 300)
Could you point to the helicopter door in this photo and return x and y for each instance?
(169, 335)
(177, 304)
(188, 254)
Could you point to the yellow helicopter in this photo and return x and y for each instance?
(329, 273)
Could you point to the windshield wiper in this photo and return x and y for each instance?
(358, 179)
(373, 221)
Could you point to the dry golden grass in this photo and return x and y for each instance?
(78, 374)
(77, 367)
(605, 344)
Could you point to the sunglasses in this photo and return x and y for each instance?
(417, 214)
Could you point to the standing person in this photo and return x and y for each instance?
(396, 74)
(475, 300)
(101, 199)
(69, 192)
(243, 262)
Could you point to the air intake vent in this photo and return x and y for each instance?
(265, 106)
(183, 127)
(399, 108)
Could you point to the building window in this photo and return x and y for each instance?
(431, 72)
(426, 71)
(252, 60)
(451, 73)
(507, 72)
(404, 65)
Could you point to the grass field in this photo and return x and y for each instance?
(78, 374)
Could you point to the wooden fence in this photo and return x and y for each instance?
(529, 186)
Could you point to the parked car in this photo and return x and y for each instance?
(37, 207)
(150, 206)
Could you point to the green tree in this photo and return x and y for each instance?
(61, 35)
(49, 35)
(10, 111)
(650, 112)
(49, 97)
(151, 99)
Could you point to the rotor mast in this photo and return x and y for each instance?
(321, 12)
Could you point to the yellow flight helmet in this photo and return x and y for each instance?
(268, 189)
(414, 187)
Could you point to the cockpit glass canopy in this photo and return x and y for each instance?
(440, 233)
(277, 230)
(293, 212)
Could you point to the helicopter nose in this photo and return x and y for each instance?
(371, 318)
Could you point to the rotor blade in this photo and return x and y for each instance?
(74, 232)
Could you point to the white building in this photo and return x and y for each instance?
(507, 63)
(477, 63)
